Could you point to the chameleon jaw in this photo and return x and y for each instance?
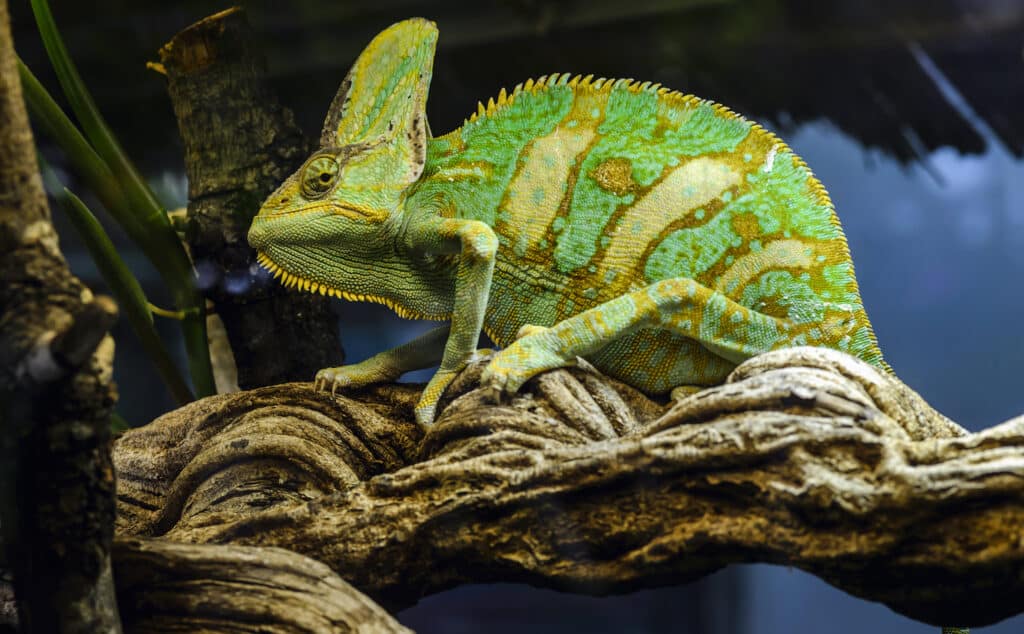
(291, 280)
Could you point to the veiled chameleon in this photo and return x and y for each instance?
(660, 236)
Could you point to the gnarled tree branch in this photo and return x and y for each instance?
(169, 587)
(806, 457)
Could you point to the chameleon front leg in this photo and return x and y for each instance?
(476, 246)
(682, 306)
(422, 352)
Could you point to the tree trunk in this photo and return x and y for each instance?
(56, 392)
(240, 144)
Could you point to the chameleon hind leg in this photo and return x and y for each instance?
(681, 306)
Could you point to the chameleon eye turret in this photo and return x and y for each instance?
(319, 175)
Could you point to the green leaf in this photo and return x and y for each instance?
(130, 297)
(93, 124)
(136, 209)
(118, 424)
(113, 269)
(87, 163)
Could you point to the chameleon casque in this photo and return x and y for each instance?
(658, 235)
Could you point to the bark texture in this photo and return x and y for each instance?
(169, 587)
(240, 144)
(56, 475)
(805, 457)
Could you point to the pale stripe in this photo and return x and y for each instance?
(775, 255)
(688, 188)
(538, 188)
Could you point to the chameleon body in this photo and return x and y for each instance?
(658, 235)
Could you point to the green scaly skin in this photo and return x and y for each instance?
(660, 236)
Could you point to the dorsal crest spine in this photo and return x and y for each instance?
(581, 83)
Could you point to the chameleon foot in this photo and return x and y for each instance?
(426, 408)
(536, 350)
(353, 376)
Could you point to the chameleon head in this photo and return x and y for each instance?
(342, 205)
(317, 219)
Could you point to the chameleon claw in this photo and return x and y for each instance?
(534, 352)
(481, 353)
(426, 409)
(494, 383)
(425, 415)
(327, 377)
(492, 394)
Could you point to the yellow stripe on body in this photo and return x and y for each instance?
(478, 170)
(686, 189)
(778, 254)
(537, 190)
(541, 188)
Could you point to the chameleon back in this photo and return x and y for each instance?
(599, 188)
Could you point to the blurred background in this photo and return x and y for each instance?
(910, 112)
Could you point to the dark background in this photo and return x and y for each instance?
(909, 111)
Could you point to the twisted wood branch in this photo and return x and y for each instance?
(169, 587)
(805, 457)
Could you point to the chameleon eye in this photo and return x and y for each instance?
(319, 175)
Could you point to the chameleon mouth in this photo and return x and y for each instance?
(290, 280)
